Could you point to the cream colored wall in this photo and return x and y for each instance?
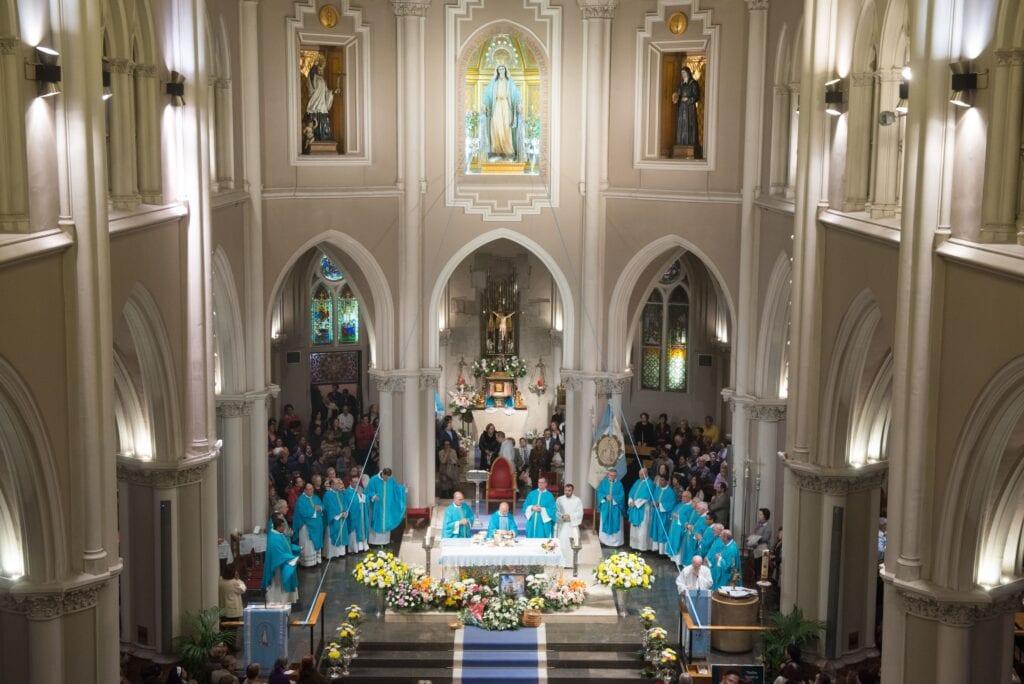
(775, 238)
(228, 233)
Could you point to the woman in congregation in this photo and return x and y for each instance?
(488, 445)
(448, 469)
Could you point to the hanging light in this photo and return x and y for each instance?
(45, 71)
(176, 89)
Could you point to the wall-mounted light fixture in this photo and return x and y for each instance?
(176, 89)
(835, 101)
(107, 92)
(887, 117)
(45, 71)
(964, 82)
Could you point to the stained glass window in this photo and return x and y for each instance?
(348, 317)
(328, 270)
(321, 312)
(652, 322)
(678, 323)
(669, 276)
(650, 368)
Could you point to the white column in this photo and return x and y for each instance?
(780, 139)
(578, 435)
(411, 17)
(387, 433)
(232, 413)
(147, 134)
(860, 122)
(885, 200)
(1002, 157)
(740, 463)
(225, 176)
(121, 165)
(46, 643)
(13, 157)
(766, 417)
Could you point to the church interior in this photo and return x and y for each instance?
(329, 242)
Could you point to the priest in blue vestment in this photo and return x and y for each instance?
(279, 576)
(358, 521)
(387, 506)
(726, 563)
(336, 516)
(639, 503)
(661, 506)
(711, 541)
(458, 519)
(308, 526)
(502, 519)
(539, 509)
(679, 518)
(695, 528)
(612, 503)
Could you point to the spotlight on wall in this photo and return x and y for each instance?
(45, 71)
(176, 89)
(964, 82)
(834, 98)
(107, 92)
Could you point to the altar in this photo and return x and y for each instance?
(523, 554)
(508, 420)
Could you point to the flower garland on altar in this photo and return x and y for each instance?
(624, 571)
(512, 365)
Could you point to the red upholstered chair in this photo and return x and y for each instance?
(554, 483)
(501, 483)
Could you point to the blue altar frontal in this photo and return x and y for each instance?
(266, 634)
(698, 603)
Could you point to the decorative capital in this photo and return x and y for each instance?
(598, 9)
(159, 475)
(410, 8)
(612, 384)
(891, 75)
(51, 604)
(862, 80)
(387, 381)
(233, 408)
(1009, 57)
(753, 5)
(767, 411)
(9, 45)
(146, 70)
(958, 612)
(838, 482)
(120, 65)
(429, 378)
(573, 380)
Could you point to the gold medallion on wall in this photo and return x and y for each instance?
(328, 16)
(677, 23)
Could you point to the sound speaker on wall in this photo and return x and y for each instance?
(293, 357)
(705, 360)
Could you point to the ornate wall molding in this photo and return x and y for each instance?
(410, 8)
(754, 5)
(160, 476)
(144, 70)
(862, 80)
(388, 381)
(813, 478)
(9, 45)
(598, 9)
(53, 604)
(429, 378)
(890, 75)
(612, 383)
(959, 613)
(767, 411)
(120, 65)
(1009, 57)
(233, 408)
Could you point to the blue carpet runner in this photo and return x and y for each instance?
(513, 656)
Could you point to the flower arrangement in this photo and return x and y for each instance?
(536, 603)
(482, 367)
(380, 570)
(647, 617)
(515, 367)
(494, 613)
(512, 365)
(346, 634)
(655, 638)
(413, 594)
(354, 614)
(549, 545)
(624, 571)
(556, 593)
(461, 402)
(665, 665)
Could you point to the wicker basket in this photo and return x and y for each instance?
(531, 618)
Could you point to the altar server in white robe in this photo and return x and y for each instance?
(640, 496)
(569, 515)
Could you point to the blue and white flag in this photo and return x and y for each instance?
(438, 406)
(603, 451)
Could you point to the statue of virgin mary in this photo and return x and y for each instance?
(501, 130)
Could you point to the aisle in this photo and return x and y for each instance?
(483, 656)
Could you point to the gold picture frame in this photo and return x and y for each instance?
(328, 16)
(677, 23)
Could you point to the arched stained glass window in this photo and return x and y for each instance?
(329, 271)
(664, 337)
(348, 316)
(321, 313)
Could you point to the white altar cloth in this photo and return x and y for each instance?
(513, 423)
(463, 553)
(248, 542)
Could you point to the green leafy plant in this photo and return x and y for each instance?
(788, 628)
(202, 633)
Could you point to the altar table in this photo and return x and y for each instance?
(248, 542)
(463, 553)
(512, 423)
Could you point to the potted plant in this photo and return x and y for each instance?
(202, 633)
(788, 628)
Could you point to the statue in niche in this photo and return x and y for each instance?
(685, 98)
(321, 97)
(501, 134)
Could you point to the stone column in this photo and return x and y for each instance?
(860, 121)
(1002, 157)
(232, 413)
(387, 383)
(739, 464)
(410, 16)
(13, 157)
(147, 134)
(885, 199)
(123, 187)
(766, 415)
(225, 171)
(428, 381)
(579, 432)
(780, 140)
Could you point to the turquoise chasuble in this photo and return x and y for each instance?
(663, 498)
(535, 525)
(501, 522)
(452, 515)
(642, 490)
(334, 506)
(611, 511)
(281, 555)
(357, 521)
(726, 564)
(387, 511)
(677, 535)
(307, 516)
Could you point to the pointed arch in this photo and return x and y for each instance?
(114, 20)
(980, 526)
(619, 337)
(845, 375)
(773, 338)
(134, 434)
(561, 282)
(34, 529)
(156, 368)
(870, 437)
(368, 282)
(227, 326)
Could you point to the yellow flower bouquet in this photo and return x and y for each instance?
(624, 571)
(380, 570)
